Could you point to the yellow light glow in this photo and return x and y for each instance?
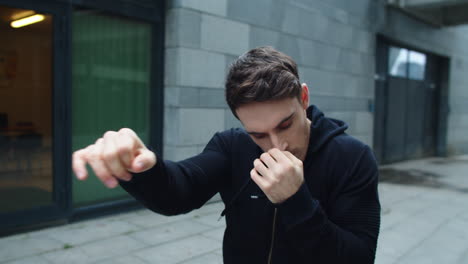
(27, 21)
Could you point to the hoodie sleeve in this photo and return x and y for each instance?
(172, 188)
(348, 234)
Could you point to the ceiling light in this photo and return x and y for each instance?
(27, 21)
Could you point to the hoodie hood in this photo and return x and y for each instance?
(322, 129)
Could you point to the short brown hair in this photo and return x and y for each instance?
(261, 74)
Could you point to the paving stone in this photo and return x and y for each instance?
(23, 245)
(211, 220)
(92, 230)
(29, 260)
(210, 258)
(179, 251)
(216, 207)
(146, 218)
(169, 232)
(217, 233)
(71, 255)
(107, 248)
(130, 259)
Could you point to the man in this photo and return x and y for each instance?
(296, 188)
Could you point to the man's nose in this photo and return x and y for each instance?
(277, 142)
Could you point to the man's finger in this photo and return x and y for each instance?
(96, 162)
(278, 155)
(112, 158)
(137, 143)
(261, 168)
(268, 160)
(259, 180)
(144, 161)
(293, 158)
(126, 148)
(79, 164)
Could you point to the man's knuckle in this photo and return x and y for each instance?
(109, 134)
(108, 156)
(124, 149)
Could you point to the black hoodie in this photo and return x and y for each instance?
(333, 218)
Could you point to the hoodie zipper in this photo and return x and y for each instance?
(272, 236)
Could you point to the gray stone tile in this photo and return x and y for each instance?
(210, 258)
(224, 36)
(12, 248)
(217, 7)
(263, 37)
(364, 122)
(310, 52)
(200, 125)
(191, 67)
(290, 46)
(183, 28)
(169, 232)
(212, 98)
(260, 12)
(179, 251)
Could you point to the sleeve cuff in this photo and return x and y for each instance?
(298, 208)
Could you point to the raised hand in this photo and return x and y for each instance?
(278, 173)
(113, 157)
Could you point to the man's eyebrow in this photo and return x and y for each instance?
(279, 124)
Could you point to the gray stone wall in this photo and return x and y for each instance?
(332, 41)
(449, 42)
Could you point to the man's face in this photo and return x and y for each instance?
(281, 124)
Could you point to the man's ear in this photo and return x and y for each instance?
(305, 96)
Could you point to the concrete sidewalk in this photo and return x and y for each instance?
(424, 220)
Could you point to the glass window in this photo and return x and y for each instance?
(406, 63)
(417, 65)
(398, 62)
(26, 176)
(111, 81)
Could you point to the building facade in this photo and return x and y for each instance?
(398, 78)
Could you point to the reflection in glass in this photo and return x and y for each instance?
(26, 179)
(417, 65)
(397, 62)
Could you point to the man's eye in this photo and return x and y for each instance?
(258, 136)
(286, 126)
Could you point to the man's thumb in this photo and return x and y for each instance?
(144, 161)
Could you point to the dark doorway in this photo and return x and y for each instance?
(408, 103)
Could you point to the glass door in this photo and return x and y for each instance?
(26, 177)
(33, 179)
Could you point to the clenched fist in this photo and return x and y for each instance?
(279, 174)
(113, 157)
